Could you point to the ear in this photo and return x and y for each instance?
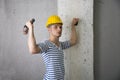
(49, 29)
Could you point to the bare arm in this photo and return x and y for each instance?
(33, 47)
(73, 38)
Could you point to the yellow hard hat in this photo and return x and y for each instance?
(53, 20)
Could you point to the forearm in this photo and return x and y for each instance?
(73, 39)
(31, 40)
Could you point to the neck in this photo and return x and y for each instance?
(54, 39)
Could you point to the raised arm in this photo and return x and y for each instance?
(33, 47)
(73, 37)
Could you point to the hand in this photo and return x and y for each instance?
(29, 24)
(75, 21)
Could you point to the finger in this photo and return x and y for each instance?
(77, 19)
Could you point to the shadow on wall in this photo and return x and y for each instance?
(97, 35)
(106, 41)
(118, 2)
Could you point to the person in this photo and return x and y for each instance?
(52, 49)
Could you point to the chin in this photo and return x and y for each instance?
(58, 35)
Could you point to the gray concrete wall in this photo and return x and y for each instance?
(16, 63)
(79, 58)
(107, 39)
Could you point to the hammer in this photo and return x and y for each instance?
(25, 28)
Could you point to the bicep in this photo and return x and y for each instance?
(36, 50)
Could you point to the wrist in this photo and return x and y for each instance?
(72, 25)
(31, 30)
(73, 28)
(31, 27)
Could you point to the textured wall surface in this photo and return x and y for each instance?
(107, 39)
(16, 63)
(78, 59)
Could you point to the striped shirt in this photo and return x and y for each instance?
(54, 59)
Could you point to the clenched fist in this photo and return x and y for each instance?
(75, 21)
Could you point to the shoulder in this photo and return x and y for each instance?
(43, 45)
(65, 44)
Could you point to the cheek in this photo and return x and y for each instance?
(52, 31)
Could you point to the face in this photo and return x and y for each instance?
(55, 30)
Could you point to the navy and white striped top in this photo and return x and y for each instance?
(54, 59)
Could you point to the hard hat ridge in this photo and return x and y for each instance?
(53, 20)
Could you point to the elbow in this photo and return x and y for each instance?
(73, 42)
(32, 51)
